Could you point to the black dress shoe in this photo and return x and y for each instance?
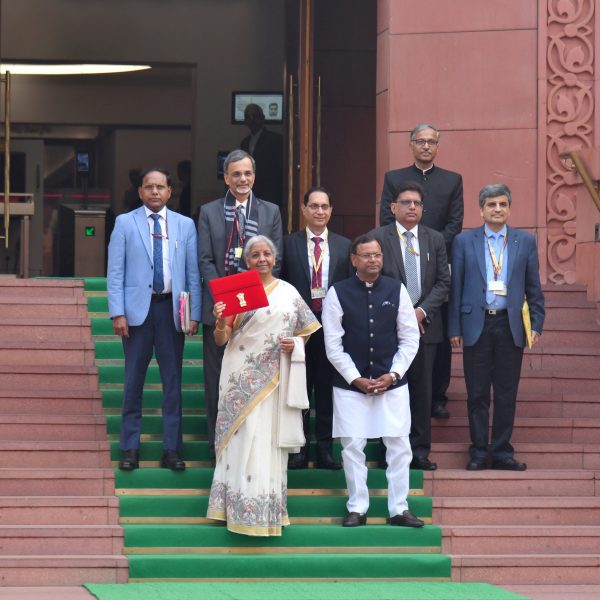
(299, 460)
(508, 464)
(477, 465)
(326, 461)
(422, 463)
(406, 519)
(354, 519)
(440, 412)
(170, 460)
(130, 460)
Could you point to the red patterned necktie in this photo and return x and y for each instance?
(316, 281)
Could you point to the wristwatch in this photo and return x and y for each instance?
(395, 377)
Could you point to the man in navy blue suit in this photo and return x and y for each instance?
(494, 269)
(152, 257)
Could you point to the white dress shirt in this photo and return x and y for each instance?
(164, 226)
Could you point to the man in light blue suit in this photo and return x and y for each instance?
(152, 257)
(494, 268)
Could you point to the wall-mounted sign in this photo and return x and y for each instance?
(270, 102)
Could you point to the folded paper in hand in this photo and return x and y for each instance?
(240, 293)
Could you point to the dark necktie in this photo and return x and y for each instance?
(158, 282)
(316, 279)
(410, 266)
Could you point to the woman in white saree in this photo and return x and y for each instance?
(249, 488)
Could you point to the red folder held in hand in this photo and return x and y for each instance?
(240, 293)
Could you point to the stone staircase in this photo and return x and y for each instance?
(541, 526)
(58, 512)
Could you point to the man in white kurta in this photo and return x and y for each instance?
(371, 337)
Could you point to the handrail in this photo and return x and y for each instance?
(579, 166)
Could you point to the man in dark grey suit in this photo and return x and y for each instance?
(443, 212)
(224, 227)
(416, 254)
(313, 260)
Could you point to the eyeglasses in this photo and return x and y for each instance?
(370, 255)
(407, 203)
(316, 207)
(150, 188)
(421, 143)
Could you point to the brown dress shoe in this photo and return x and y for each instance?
(406, 519)
(354, 519)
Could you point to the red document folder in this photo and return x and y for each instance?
(240, 293)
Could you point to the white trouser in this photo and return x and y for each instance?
(398, 455)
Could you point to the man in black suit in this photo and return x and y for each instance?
(224, 227)
(313, 260)
(443, 212)
(416, 254)
(266, 147)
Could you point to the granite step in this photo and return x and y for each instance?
(50, 353)
(56, 378)
(52, 427)
(544, 381)
(26, 307)
(67, 510)
(64, 402)
(533, 404)
(521, 539)
(555, 569)
(43, 329)
(455, 455)
(461, 483)
(57, 482)
(62, 570)
(526, 429)
(53, 454)
(60, 539)
(42, 288)
(520, 511)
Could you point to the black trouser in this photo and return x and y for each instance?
(213, 357)
(419, 387)
(319, 374)
(442, 365)
(493, 362)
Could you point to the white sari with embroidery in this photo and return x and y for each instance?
(249, 488)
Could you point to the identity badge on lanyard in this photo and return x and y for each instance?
(317, 291)
(497, 286)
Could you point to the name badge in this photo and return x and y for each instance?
(497, 287)
(320, 292)
(238, 252)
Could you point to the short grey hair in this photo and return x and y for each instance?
(421, 127)
(255, 239)
(236, 156)
(493, 190)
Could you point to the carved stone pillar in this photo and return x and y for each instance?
(567, 122)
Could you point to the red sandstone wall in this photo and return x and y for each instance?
(511, 84)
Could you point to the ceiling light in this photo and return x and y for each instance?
(67, 69)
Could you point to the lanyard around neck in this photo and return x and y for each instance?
(311, 250)
(496, 262)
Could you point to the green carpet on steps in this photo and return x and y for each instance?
(301, 591)
(298, 506)
(313, 536)
(315, 545)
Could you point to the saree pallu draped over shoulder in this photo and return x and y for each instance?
(249, 489)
